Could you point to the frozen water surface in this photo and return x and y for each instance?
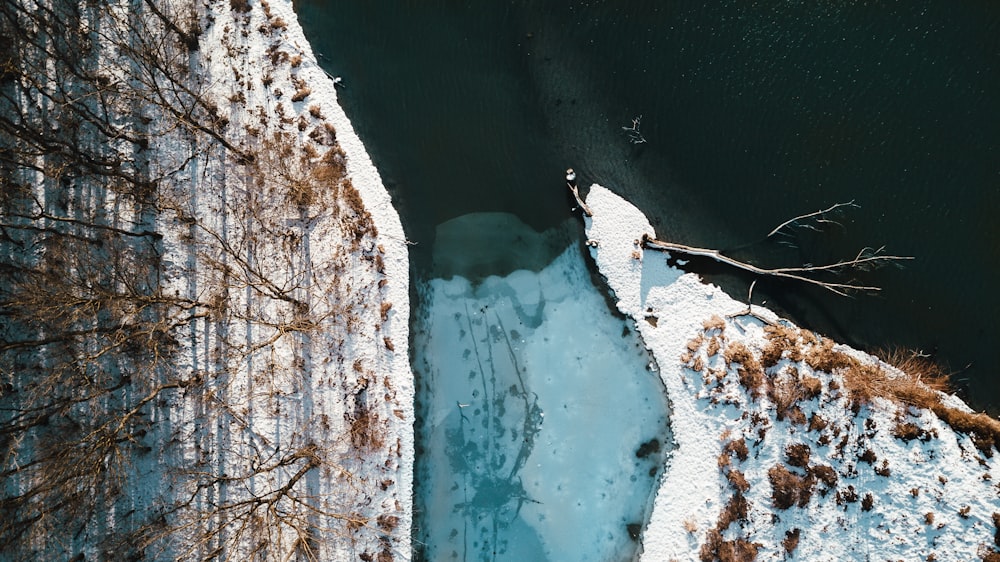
(541, 426)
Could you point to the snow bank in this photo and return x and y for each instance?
(365, 177)
(857, 490)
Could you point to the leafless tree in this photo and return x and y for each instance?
(102, 305)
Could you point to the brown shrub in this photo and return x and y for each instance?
(825, 474)
(738, 480)
(716, 322)
(694, 344)
(929, 518)
(713, 346)
(850, 495)
(301, 93)
(788, 488)
(780, 340)
(332, 168)
(796, 415)
(817, 423)
(797, 454)
(883, 469)
(242, 6)
(791, 540)
(868, 502)
(738, 550)
(739, 447)
(909, 431)
(387, 522)
(367, 432)
(736, 510)
(812, 385)
(984, 430)
(996, 524)
(358, 222)
(750, 372)
(868, 456)
(384, 310)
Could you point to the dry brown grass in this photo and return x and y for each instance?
(714, 345)
(909, 431)
(714, 323)
(749, 369)
(367, 430)
(868, 502)
(782, 341)
(798, 454)
(825, 474)
(917, 387)
(788, 488)
(737, 447)
(738, 480)
(301, 93)
(357, 223)
(737, 550)
(817, 423)
(791, 540)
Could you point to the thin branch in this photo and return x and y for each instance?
(796, 273)
(793, 220)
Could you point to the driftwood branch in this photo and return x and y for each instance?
(821, 214)
(866, 259)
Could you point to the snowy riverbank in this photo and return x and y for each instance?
(771, 458)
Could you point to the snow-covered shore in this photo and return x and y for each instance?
(781, 466)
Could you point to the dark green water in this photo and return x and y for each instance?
(753, 112)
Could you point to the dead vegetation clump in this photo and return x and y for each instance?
(791, 540)
(737, 447)
(358, 222)
(909, 431)
(714, 323)
(788, 488)
(781, 340)
(738, 480)
(332, 168)
(817, 422)
(736, 550)
(367, 430)
(917, 387)
(825, 474)
(797, 454)
(750, 372)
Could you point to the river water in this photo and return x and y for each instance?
(751, 113)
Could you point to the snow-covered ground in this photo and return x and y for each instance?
(771, 459)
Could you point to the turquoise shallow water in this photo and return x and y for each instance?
(752, 112)
(541, 422)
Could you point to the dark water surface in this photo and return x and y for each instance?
(753, 112)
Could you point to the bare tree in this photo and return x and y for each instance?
(162, 311)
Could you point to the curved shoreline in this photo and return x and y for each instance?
(395, 362)
(865, 486)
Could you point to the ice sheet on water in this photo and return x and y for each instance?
(534, 403)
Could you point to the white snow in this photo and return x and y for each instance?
(951, 478)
